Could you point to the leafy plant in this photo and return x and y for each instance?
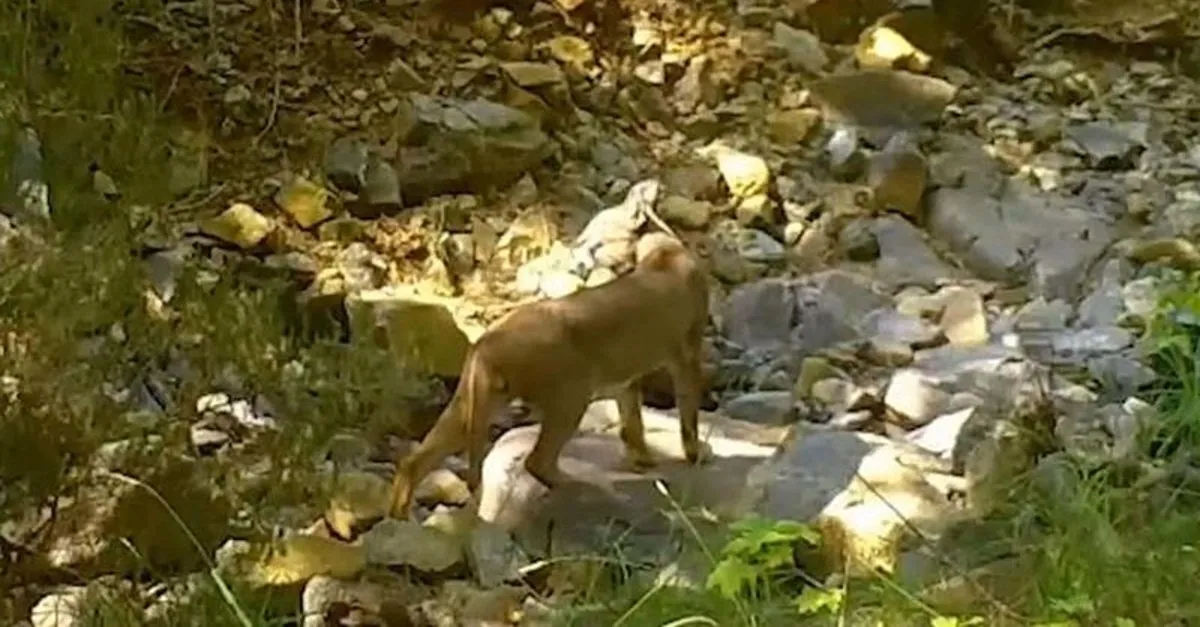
(759, 551)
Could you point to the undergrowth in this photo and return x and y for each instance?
(80, 331)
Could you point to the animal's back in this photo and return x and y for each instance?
(608, 333)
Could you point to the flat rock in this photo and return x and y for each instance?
(240, 224)
(605, 494)
(904, 256)
(1024, 234)
(887, 99)
(765, 407)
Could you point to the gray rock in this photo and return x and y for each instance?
(1026, 232)
(941, 435)
(858, 241)
(803, 49)
(407, 543)
(1112, 432)
(971, 223)
(608, 503)
(768, 407)
(1076, 346)
(493, 555)
(1040, 315)
(754, 245)
(468, 146)
(867, 492)
(1120, 374)
(1141, 296)
(832, 306)
(1104, 306)
(346, 163)
(760, 315)
(380, 194)
(888, 326)
(840, 395)
(325, 599)
(1107, 146)
(846, 158)
(904, 256)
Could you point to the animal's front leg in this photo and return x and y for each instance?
(687, 377)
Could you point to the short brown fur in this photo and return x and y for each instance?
(560, 354)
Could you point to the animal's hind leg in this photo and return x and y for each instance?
(445, 438)
(560, 420)
(633, 430)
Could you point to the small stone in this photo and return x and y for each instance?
(104, 185)
(803, 48)
(206, 441)
(744, 174)
(685, 212)
(346, 163)
(381, 190)
(767, 408)
(404, 77)
(964, 321)
(559, 284)
(528, 74)
(792, 126)
(63, 609)
(942, 433)
(1106, 145)
(881, 47)
(840, 395)
(914, 397)
(858, 241)
(304, 201)
(754, 245)
(898, 176)
(358, 500)
(846, 158)
(240, 224)
(295, 560)
(442, 487)
(812, 370)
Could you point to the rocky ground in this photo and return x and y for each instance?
(935, 243)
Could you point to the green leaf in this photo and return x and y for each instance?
(731, 576)
(814, 600)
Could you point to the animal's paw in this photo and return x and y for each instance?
(640, 461)
(699, 454)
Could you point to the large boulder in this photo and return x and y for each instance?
(418, 329)
(866, 494)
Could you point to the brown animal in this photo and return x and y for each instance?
(558, 355)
